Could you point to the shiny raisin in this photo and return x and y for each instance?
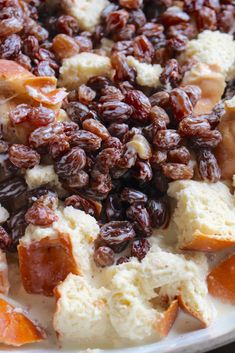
(104, 256)
(208, 166)
(158, 212)
(70, 163)
(117, 232)
(140, 248)
(23, 157)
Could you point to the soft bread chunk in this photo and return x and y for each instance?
(4, 283)
(138, 300)
(82, 312)
(42, 175)
(79, 68)
(204, 215)
(48, 254)
(87, 12)
(225, 151)
(212, 47)
(16, 329)
(221, 280)
(211, 82)
(147, 74)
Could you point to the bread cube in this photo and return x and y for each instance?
(48, 254)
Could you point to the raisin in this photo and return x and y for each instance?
(142, 171)
(116, 20)
(20, 114)
(137, 17)
(110, 93)
(40, 215)
(107, 159)
(112, 142)
(16, 226)
(10, 189)
(117, 232)
(115, 111)
(179, 155)
(143, 49)
(41, 116)
(118, 129)
(160, 99)
(86, 94)
(210, 139)
(173, 16)
(113, 208)
(86, 140)
(78, 181)
(104, 256)
(64, 46)
(122, 260)
(119, 63)
(171, 73)
(140, 215)
(140, 248)
(70, 163)
(158, 212)
(206, 19)
(101, 183)
(10, 47)
(12, 19)
(158, 158)
(133, 196)
(90, 207)
(181, 104)
(96, 128)
(208, 166)
(193, 92)
(194, 126)
(68, 25)
(5, 240)
(128, 158)
(44, 69)
(140, 105)
(157, 115)
(160, 182)
(167, 139)
(31, 46)
(23, 157)
(176, 171)
(131, 4)
(43, 136)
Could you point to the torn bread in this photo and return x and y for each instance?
(204, 215)
(77, 69)
(48, 254)
(146, 294)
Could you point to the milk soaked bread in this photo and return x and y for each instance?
(48, 254)
(204, 215)
(145, 293)
(4, 283)
(87, 12)
(77, 69)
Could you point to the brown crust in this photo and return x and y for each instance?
(189, 310)
(221, 280)
(164, 325)
(208, 243)
(15, 328)
(45, 263)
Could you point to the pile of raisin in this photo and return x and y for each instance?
(122, 143)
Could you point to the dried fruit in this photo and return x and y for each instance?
(117, 232)
(70, 163)
(158, 212)
(167, 139)
(208, 166)
(40, 215)
(140, 105)
(23, 157)
(104, 256)
(176, 171)
(133, 196)
(140, 248)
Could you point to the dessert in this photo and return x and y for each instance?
(116, 168)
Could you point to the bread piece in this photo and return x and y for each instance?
(204, 215)
(48, 254)
(139, 300)
(212, 47)
(4, 282)
(16, 329)
(221, 280)
(82, 312)
(225, 150)
(212, 83)
(14, 79)
(79, 68)
(147, 74)
(87, 12)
